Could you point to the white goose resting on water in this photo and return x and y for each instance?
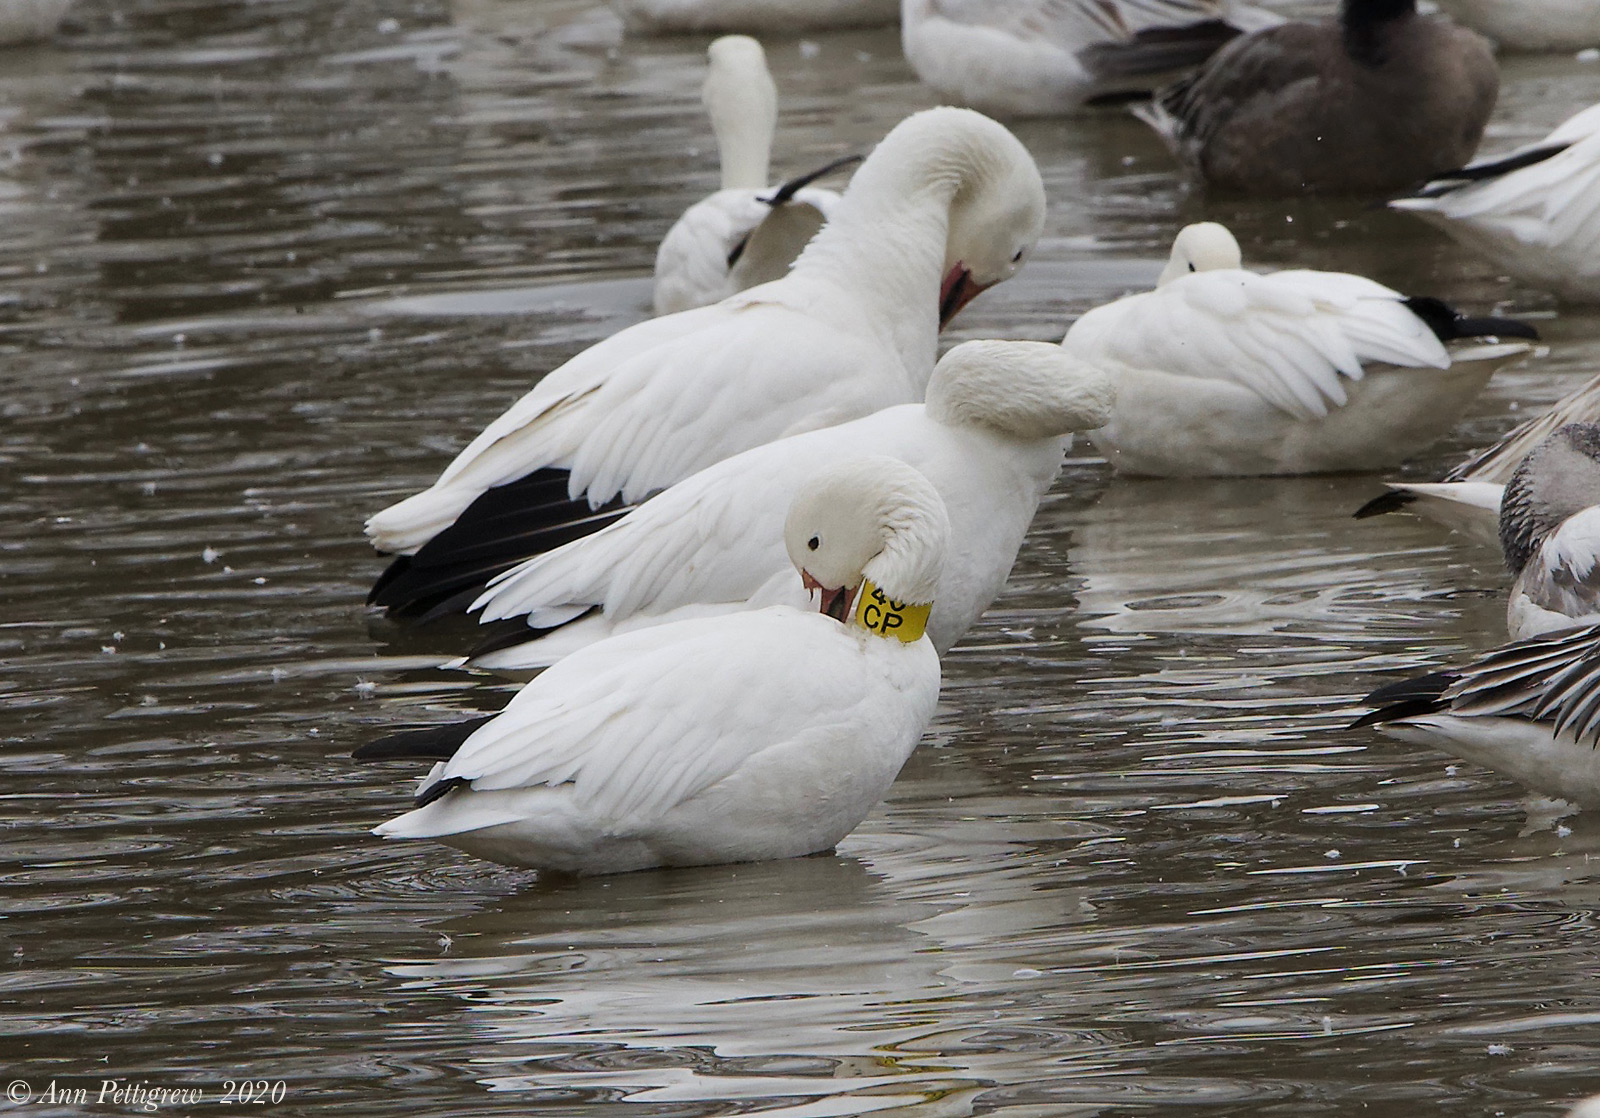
(748, 232)
(1222, 372)
(948, 204)
(1531, 25)
(1467, 500)
(764, 734)
(1530, 710)
(989, 439)
(1550, 534)
(1042, 57)
(1535, 212)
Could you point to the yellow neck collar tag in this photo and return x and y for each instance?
(878, 613)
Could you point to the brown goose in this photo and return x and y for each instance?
(1373, 101)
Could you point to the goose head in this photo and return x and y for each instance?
(1029, 390)
(1559, 478)
(1204, 246)
(996, 215)
(872, 522)
(742, 102)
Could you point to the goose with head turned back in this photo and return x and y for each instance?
(1550, 534)
(989, 439)
(765, 734)
(1534, 212)
(1225, 372)
(949, 203)
(1044, 57)
(1374, 100)
(747, 232)
(757, 17)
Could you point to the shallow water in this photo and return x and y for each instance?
(264, 266)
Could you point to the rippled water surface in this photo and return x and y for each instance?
(264, 266)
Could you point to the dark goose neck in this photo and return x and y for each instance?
(1366, 24)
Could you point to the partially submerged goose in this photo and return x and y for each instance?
(989, 439)
(765, 734)
(1375, 100)
(1041, 57)
(1535, 212)
(666, 17)
(748, 232)
(1467, 500)
(948, 204)
(1530, 710)
(1221, 371)
(1550, 534)
(1531, 25)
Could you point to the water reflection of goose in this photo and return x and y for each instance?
(1535, 212)
(947, 204)
(1254, 557)
(989, 438)
(748, 232)
(754, 735)
(1222, 371)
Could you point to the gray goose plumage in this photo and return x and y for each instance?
(1376, 100)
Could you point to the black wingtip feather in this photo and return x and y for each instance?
(503, 527)
(1449, 324)
(788, 190)
(514, 631)
(1490, 169)
(1392, 501)
(426, 743)
(1406, 698)
(439, 790)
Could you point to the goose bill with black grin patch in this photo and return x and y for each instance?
(835, 603)
(958, 290)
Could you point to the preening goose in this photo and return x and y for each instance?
(1530, 710)
(1042, 57)
(949, 203)
(666, 17)
(1550, 534)
(764, 734)
(1221, 371)
(1532, 25)
(1535, 212)
(1375, 100)
(1467, 500)
(988, 439)
(747, 232)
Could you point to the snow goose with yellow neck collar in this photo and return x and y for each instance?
(989, 438)
(765, 734)
(747, 232)
(1221, 371)
(949, 203)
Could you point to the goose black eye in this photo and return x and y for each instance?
(813, 543)
(1018, 256)
(1191, 266)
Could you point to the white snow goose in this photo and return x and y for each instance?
(1535, 212)
(747, 232)
(1376, 99)
(1044, 57)
(764, 734)
(1467, 500)
(1225, 372)
(989, 438)
(1531, 25)
(1550, 534)
(667, 17)
(1529, 710)
(948, 204)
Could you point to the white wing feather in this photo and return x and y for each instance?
(1289, 336)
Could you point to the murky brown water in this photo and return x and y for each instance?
(264, 266)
